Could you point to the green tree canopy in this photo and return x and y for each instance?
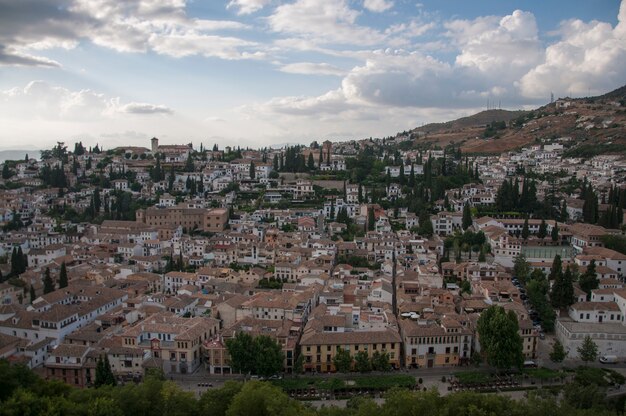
(588, 350)
(260, 355)
(588, 281)
(499, 338)
(342, 360)
(558, 353)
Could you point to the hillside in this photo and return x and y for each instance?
(17, 154)
(478, 119)
(596, 125)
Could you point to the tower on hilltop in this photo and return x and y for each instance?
(155, 145)
(327, 148)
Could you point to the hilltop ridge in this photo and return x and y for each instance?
(598, 122)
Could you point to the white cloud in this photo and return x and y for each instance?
(45, 101)
(125, 26)
(309, 68)
(247, 6)
(323, 21)
(506, 47)
(191, 43)
(377, 5)
(589, 58)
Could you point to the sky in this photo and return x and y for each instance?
(256, 73)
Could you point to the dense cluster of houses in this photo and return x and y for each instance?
(125, 298)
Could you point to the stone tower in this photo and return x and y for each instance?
(155, 145)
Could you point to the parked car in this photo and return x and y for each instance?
(608, 359)
(530, 364)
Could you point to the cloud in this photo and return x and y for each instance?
(507, 46)
(323, 21)
(131, 26)
(247, 6)
(309, 68)
(8, 57)
(589, 58)
(377, 5)
(46, 101)
(144, 108)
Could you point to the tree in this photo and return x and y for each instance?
(6, 172)
(48, 283)
(362, 362)
(521, 268)
(467, 216)
(380, 361)
(63, 276)
(371, 220)
(466, 287)
(189, 167)
(104, 374)
(481, 255)
(269, 356)
(275, 163)
(241, 351)
(543, 229)
(499, 338)
(556, 268)
(588, 281)
(588, 350)
(558, 352)
(170, 180)
(252, 170)
(563, 213)
(311, 162)
(525, 230)
(425, 225)
(298, 366)
(261, 355)
(342, 360)
(33, 296)
(215, 402)
(562, 293)
(256, 398)
(555, 232)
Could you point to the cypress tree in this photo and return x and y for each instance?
(252, 172)
(63, 276)
(21, 261)
(555, 232)
(48, 283)
(33, 296)
(311, 162)
(371, 220)
(14, 262)
(467, 216)
(543, 229)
